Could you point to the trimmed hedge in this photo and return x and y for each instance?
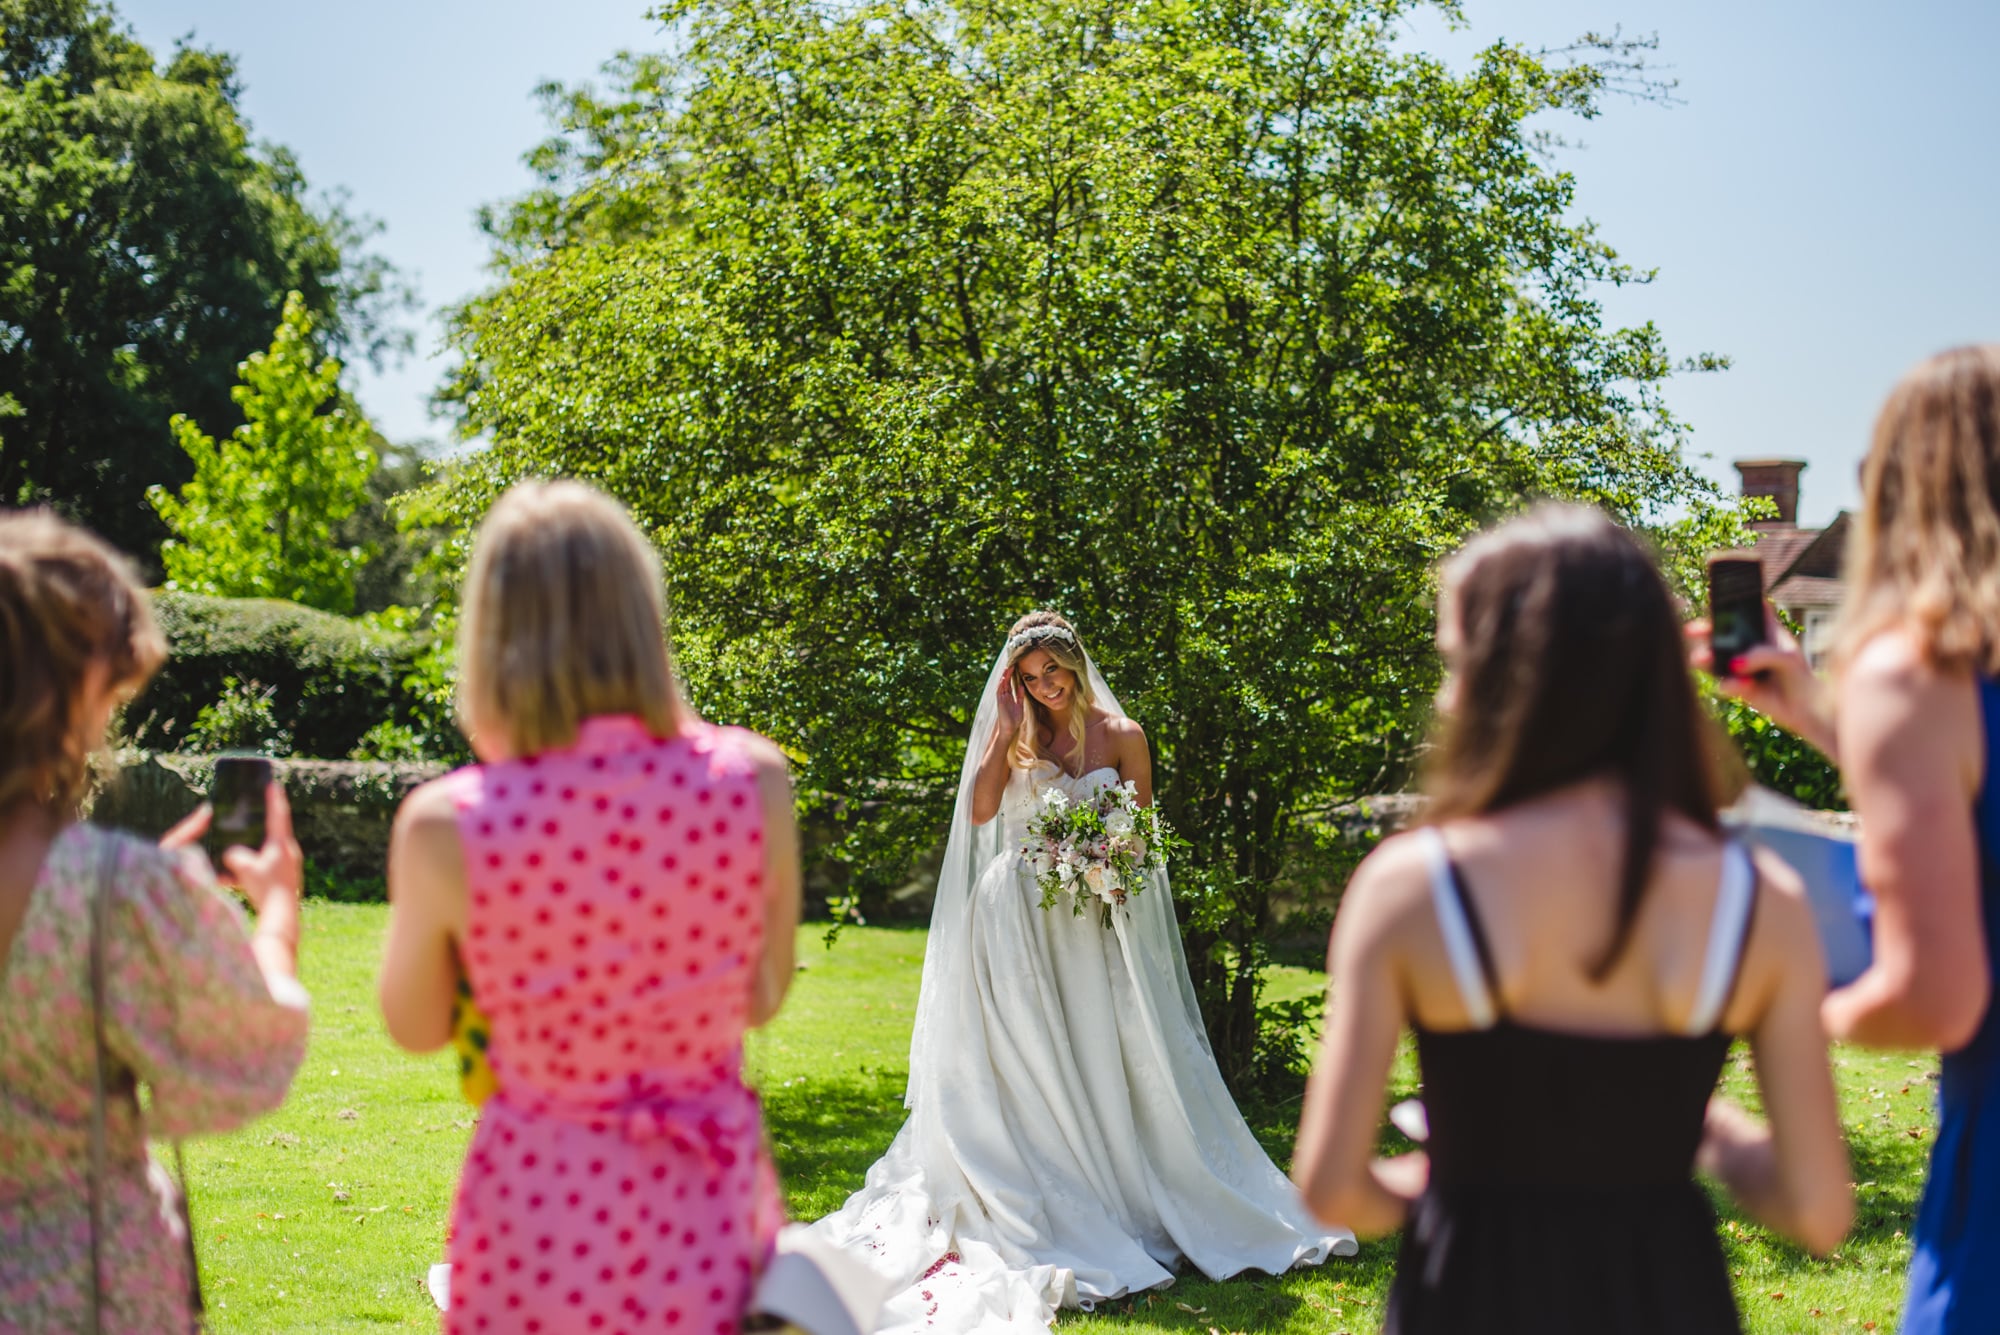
(331, 678)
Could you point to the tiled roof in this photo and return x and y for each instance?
(1826, 554)
(1776, 548)
(1809, 591)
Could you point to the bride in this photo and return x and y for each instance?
(1069, 1137)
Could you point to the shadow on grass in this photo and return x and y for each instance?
(1894, 1177)
(827, 1131)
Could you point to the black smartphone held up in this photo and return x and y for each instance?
(236, 796)
(1735, 608)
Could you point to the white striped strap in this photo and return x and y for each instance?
(1727, 932)
(1456, 931)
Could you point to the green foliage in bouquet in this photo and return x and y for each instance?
(1097, 849)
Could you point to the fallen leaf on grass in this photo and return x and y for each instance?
(281, 1138)
(1198, 1311)
(348, 1115)
(1777, 1295)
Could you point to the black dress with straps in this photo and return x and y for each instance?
(1561, 1194)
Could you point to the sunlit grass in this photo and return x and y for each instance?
(323, 1217)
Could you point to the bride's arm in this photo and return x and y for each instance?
(1333, 1162)
(989, 785)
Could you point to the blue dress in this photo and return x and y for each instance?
(1955, 1272)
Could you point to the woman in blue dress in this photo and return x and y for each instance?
(1914, 723)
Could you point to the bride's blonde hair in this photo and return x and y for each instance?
(1052, 633)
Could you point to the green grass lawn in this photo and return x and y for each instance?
(324, 1216)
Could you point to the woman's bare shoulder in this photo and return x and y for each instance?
(432, 804)
(1392, 887)
(1899, 709)
(1122, 725)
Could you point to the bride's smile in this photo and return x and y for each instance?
(1047, 680)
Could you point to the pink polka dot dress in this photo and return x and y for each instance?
(618, 1182)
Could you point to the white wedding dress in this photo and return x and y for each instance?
(1069, 1137)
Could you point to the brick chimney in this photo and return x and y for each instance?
(1778, 479)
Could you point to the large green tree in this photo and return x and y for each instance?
(146, 247)
(1211, 323)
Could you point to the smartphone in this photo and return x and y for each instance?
(236, 796)
(1735, 607)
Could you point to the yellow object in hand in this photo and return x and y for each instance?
(470, 1034)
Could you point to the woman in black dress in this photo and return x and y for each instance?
(1575, 943)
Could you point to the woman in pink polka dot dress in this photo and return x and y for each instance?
(621, 883)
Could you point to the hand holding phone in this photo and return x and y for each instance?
(1735, 609)
(236, 795)
(1777, 679)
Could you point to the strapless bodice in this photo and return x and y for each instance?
(1028, 785)
(1046, 774)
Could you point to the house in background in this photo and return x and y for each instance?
(1802, 566)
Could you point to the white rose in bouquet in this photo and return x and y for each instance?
(1094, 849)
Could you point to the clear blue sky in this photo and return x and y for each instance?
(1821, 208)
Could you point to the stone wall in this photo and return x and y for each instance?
(341, 809)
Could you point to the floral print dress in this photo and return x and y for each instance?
(187, 1012)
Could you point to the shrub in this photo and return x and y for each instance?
(1781, 761)
(329, 681)
(242, 720)
(390, 741)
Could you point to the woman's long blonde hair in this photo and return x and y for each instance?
(1926, 548)
(565, 618)
(1061, 644)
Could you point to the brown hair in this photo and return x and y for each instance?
(1068, 653)
(564, 618)
(67, 600)
(1570, 666)
(1926, 548)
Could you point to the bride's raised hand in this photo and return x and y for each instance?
(1008, 695)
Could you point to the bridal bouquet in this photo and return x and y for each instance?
(1099, 847)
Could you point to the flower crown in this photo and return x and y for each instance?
(1037, 634)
